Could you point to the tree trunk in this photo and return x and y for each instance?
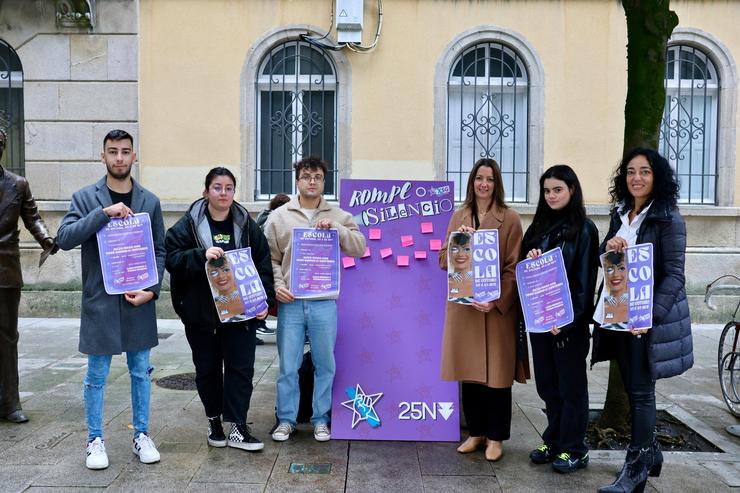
(649, 25)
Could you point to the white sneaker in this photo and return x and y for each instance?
(145, 449)
(321, 432)
(96, 456)
(282, 432)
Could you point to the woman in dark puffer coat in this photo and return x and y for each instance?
(645, 194)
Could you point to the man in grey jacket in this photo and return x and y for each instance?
(112, 324)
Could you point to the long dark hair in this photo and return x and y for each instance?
(573, 214)
(665, 186)
(498, 186)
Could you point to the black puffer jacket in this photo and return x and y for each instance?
(581, 259)
(670, 345)
(186, 243)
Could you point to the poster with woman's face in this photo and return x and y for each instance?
(460, 268)
(225, 292)
(616, 291)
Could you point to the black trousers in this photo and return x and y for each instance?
(224, 367)
(560, 376)
(640, 387)
(9, 398)
(487, 411)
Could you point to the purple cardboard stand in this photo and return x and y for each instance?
(390, 320)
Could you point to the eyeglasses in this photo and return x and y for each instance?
(219, 190)
(312, 178)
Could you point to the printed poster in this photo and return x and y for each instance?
(627, 298)
(236, 286)
(544, 292)
(127, 258)
(314, 263)
(473, 271)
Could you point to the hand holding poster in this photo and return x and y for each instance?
(544, 292)
(627, 298)
(236, 286)
(314, 263)
(126, 251)
(473, 267)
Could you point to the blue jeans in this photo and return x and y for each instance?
(98, 367)
(318, 319)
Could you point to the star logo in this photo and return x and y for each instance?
(362, 406)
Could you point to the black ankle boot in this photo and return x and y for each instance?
(657, 459)
(634, 473)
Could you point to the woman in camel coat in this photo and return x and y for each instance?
(480, 342)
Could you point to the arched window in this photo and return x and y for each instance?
(11, 108)
(296, 92)
(688, 132)
(487, 114)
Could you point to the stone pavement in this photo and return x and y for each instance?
(47, 454)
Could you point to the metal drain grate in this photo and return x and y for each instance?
(179, 381)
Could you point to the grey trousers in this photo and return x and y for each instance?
(9, 398)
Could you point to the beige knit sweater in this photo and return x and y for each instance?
(279, 233)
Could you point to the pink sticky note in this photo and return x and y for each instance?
(402, 260)
(386, 252)
(348, 262)
(435, 245)
(427, 228)
(407, 240)
(374, 233)
(420, 254)
(367, 253)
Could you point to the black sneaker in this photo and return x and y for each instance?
(566, 462)
(259, 342)
(542, 454)
(264, 330)
(239, 437)
(216, 436)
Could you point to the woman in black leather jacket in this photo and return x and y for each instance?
(645, 195)
(559, 356)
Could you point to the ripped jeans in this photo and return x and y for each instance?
(98, 367)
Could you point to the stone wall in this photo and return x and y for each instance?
(78, 85)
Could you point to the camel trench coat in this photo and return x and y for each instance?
(481, 347)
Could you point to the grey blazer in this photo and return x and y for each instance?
(108, 323)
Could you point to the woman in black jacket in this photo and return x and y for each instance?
(559, 356)
(645, 195)
(223, 353)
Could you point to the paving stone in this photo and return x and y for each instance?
(18, 478)
(235, 466)
(443, 459)
(461, 484)
(383, 466)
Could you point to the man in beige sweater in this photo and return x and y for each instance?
(297, 318)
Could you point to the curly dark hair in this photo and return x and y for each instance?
(310, 163)
(665, 186)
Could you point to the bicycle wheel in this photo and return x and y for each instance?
(729, 380)
(728, 343)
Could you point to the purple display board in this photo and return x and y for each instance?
(126, 251)
(236, 286)
(544, 292)
(486, 270)
(627, 298)
(314, 263)
(391, 316)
